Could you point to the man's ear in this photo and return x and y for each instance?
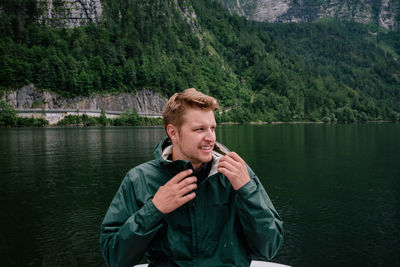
(172, 132)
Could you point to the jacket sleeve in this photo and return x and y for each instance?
(260, 222)
(128, 227)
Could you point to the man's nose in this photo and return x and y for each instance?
(210, 135)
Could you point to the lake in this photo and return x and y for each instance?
(336, 187)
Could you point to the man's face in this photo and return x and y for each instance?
(195, 140)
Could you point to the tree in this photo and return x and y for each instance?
(8, 116)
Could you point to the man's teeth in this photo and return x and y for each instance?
(205, 147)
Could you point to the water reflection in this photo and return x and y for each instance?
(59, 183)
(337, 188)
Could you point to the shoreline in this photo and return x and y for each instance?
(221, 123)
(302, 122)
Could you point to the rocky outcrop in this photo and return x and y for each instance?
(28, 97)
(70, 13)
(382, 12)
(73, 13)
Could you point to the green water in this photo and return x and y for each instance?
(337, 188)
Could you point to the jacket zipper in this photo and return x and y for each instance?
(193, 220)
(194, 232)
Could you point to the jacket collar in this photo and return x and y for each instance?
(164, 148)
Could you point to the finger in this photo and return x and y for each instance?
(226, 165)
(185, 199)
(236, 157)
(180, 176)
(187, 181)
(234, 163)
(225, 171)
(187, 189)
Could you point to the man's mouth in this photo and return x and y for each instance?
(207, 147)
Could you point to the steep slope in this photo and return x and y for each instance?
(135, 44)
(324, 70)
(69, 13)
(327, 70)
(384, 13)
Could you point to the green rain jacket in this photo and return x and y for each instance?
(220, 227)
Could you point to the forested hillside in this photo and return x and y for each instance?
(326, 70)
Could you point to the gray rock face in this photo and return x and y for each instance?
(70, 13)
(381, 12)
(28, 97)
(73, 13)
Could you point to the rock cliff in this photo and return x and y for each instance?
(28, 97)
(384, 13)
(70, 13)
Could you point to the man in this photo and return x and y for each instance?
(195, 204)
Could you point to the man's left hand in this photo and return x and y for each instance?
(235, 169)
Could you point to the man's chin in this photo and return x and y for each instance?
(206, 158)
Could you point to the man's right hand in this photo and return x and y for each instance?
(174, 193)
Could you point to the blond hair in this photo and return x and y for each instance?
(176, 106)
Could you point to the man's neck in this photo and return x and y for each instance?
(196, 166)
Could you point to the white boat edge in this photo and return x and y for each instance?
(266, 264)
(253, 264)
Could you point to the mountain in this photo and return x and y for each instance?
(385, 13)
(69, 13)
(327, 69)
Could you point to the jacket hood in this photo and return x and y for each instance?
(164, 148)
